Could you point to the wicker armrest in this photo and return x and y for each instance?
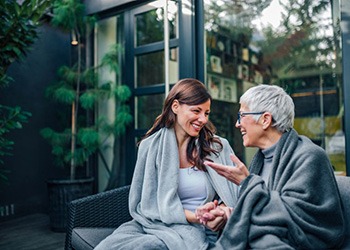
(106, 209)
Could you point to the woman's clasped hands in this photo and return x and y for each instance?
(213, 216)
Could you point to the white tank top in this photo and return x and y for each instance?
(192, 191)
(192, 187)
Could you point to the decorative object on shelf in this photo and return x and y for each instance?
(254, 59)
(229, 90)
(214, 86)
(243, 72)
(221, 45)
(221, 88)
(234, 50)
(215, 63)
(245, 54)
(258, 78)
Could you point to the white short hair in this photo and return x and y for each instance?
(272, 99)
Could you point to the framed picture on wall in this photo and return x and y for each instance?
(221, 88)
(258, 78)
(229, 90)
(215, 64)
(214, 86)
(243, 72)
(245, 54)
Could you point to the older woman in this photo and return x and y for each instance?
(289, 197)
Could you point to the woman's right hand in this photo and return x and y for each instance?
(203, 212)
(213, 216)
(234, 174)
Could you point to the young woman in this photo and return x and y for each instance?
(170, 179)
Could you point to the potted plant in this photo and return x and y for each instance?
(80, 89)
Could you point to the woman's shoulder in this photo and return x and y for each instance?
(303, 144)
(306, 144)
(222, 139)
(310, 153)
(225, 145)
(152, 137)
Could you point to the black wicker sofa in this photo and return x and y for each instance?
(93, 218)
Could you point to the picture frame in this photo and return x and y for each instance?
(214, 86)
(243, 72)
(221, 88)
(215, 64)
(229, 90)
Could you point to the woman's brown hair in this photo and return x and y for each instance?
(189, 91)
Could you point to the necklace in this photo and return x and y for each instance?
(192, 169)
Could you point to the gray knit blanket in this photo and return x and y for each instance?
(159, 221)
(299, 209)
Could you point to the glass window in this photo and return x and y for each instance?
(293, 44)
(149, 28)
(149, 107)
(150, 25)
(149, 57)
(107, 32)
(150, 68)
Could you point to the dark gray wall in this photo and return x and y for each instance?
(31, 164)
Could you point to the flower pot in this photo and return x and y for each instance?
(61, 193)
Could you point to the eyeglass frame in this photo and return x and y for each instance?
(242, 114)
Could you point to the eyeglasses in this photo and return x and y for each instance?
(242, 114)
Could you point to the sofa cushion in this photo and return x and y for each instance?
(88, 238)
(344, 190)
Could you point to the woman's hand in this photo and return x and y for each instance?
(234, 174)
(203, 212)
(221, 214)
(213, 216)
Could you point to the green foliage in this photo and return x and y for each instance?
(218, 13)
(69, 15)
(10, 118)
(87, 141)
(88, 138)
(80, 88)
(122, 120)
(19, 21)
(302, 40)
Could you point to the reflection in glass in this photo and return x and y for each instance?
(293, 44)
(150, 25)
(107, 34)
(150, 68)
(148, 108)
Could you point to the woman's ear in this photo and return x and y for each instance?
(266, 120)
(175, 106)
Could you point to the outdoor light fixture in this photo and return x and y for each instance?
(74, 40)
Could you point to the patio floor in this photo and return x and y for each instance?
(30, 232)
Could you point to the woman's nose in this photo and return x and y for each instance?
(237, 124)
(203, 118)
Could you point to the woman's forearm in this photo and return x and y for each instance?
(191, 217)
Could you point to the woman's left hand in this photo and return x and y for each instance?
(234, 174)
(213, 216)
(203, 214)
(218, 218)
